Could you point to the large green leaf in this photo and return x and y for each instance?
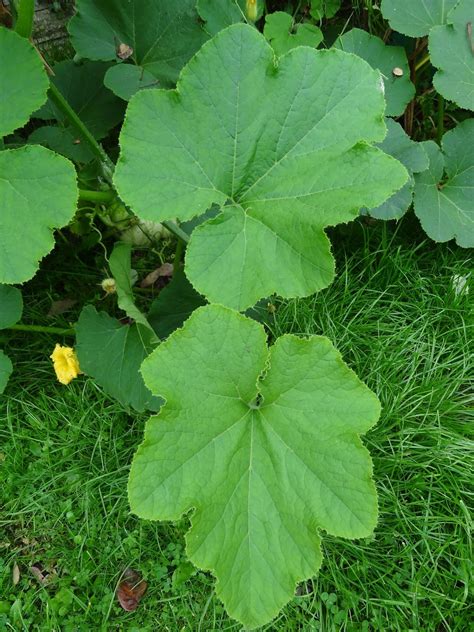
(126, 79)
(279, 28)
(412, 155)
(218, 15)
(112, 354)
(83, 87)
(63, 140)
(263, 444)
(444, 194)
(38, 193)
(416, 17)
(452, 51)
(174, 304)
(6, 369)
(23, 81)
(11, 305)
(282, 148)
(399, 90)
(162, 35)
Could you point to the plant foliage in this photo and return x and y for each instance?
(271, 455)
(284, 150)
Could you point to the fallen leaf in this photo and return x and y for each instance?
(124, 51)
(130, 590)
(166, 270)
(15, 574)
(40, 575)
(61, 306)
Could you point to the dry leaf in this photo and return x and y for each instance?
(124, 51)
(130, 590)
(15, 574)
(61, 306)
(39, 574)
(166, 270)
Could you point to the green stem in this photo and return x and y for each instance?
(24, 21)
(101, 197)
(176, 230)
(44, 329)
(66, 109)
(178, 255)
(440, 128)
(424, 60)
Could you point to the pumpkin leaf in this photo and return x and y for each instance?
(452, 52)
(272, 454)
(416, 17)
(62, 140)
(324, 8)
(11, 305)
(279, 32)
(283, 150)
(443, 199)
(126, 79)
(6, 369)
(103, 342)
(82, 85)
(218, 15)
(413, 156)
(159, 37)
(399, 90)
(23, 81)
(38, 193)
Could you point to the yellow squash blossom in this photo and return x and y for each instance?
(251, 10)
(66, 364)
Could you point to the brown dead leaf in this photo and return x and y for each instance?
(15, 574)
(166, 270)
(40, 575)
(124, 51)
(130, 590)
(61, 306)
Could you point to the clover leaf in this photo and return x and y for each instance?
(452, 51)
(263, 444)
(416, 17)
(399, 90)
(159, 37)
(283, 148)
(443, 198)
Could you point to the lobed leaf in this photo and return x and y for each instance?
(112, 354)
(416, 17)
(263, 445)
(399, 90)
(38, 193)
(162, 36)
(283, 149)
(444, 200)
(218, 15)
(23, 81)
(279, 32)
(452, 51)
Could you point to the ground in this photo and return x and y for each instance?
(397, 319)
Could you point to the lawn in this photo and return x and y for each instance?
(66, 533)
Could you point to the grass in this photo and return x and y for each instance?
(65, 453)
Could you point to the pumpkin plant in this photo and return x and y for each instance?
(244, 147)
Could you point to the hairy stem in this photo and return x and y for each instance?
(44, 329)
(424, 60)
(101, 197)
(66, 109)
(176, 230)
(24, 20)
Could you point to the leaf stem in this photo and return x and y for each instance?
(440, 127)
(424, 60)
(24, 20)
(43, 329)
(177, 231)
(97, 196)
(66, 109)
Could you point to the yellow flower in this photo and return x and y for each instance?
(251, 10)
(66, 364)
